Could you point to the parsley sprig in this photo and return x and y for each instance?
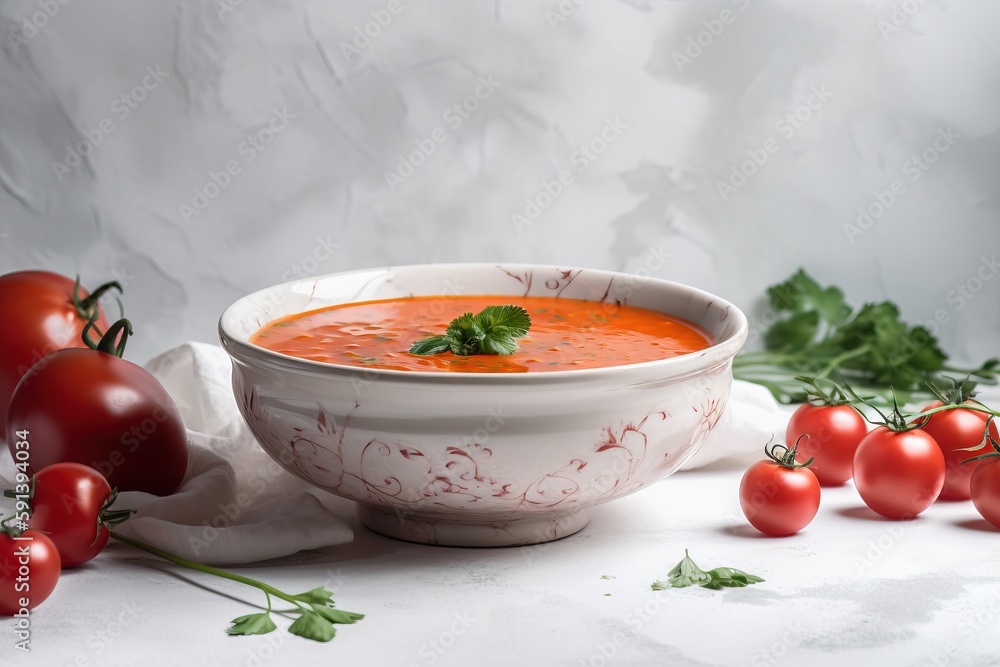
(495, 330)
(687, 573)
(316, 612)
(817, 333)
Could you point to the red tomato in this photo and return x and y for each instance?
(94, 408)
(66, 505)
(779, 500)
(985, 488)
(953, 430)
(834, 433)
(898, 473)
(29, 570)
(41, 315)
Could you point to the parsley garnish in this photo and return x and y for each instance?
(687, 573)
(493, 331)
(817, 333)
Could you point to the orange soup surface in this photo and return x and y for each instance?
(565, 334)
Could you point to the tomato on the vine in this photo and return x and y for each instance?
(43, 312)
(898, 473)
(779, 496)
(956, 430)
(985, 489)
(29, 570)
(834, 434)
(93, 407)
(70, 503)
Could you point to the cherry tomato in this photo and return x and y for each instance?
(898, 473)
(779, 496)
(43, 312)
(985, 487)
(94, 408)
(834, 433)
(953, 430)
(66, 504)
(29, 570)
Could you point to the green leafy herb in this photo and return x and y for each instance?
(495, 330)
(314, 607)
(687, 573)
(818, 334)
(728, 577)
(252, 624)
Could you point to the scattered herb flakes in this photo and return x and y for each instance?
(687, 573)
(608, 576)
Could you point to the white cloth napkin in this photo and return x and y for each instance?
(237, 505)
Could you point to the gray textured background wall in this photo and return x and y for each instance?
(200, 150)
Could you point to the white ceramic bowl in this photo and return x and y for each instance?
(480, 459)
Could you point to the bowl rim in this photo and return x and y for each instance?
(720, 353)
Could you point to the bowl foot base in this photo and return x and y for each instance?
(424, 529)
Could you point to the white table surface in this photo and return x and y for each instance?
(850, 589)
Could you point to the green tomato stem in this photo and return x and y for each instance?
(108, 342)
(87, 308)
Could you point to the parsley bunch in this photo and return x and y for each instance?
(495, 330)
(817, 334)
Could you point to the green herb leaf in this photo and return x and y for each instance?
(728, 577)
(802, 294)
(252, 624)
(464, 334)
(495, 330)
(431, 345)
(316, 596)
(687, 573)
(511, 321)
(336, 615)
(313, 626)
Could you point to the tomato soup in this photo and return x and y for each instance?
(565, 334)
